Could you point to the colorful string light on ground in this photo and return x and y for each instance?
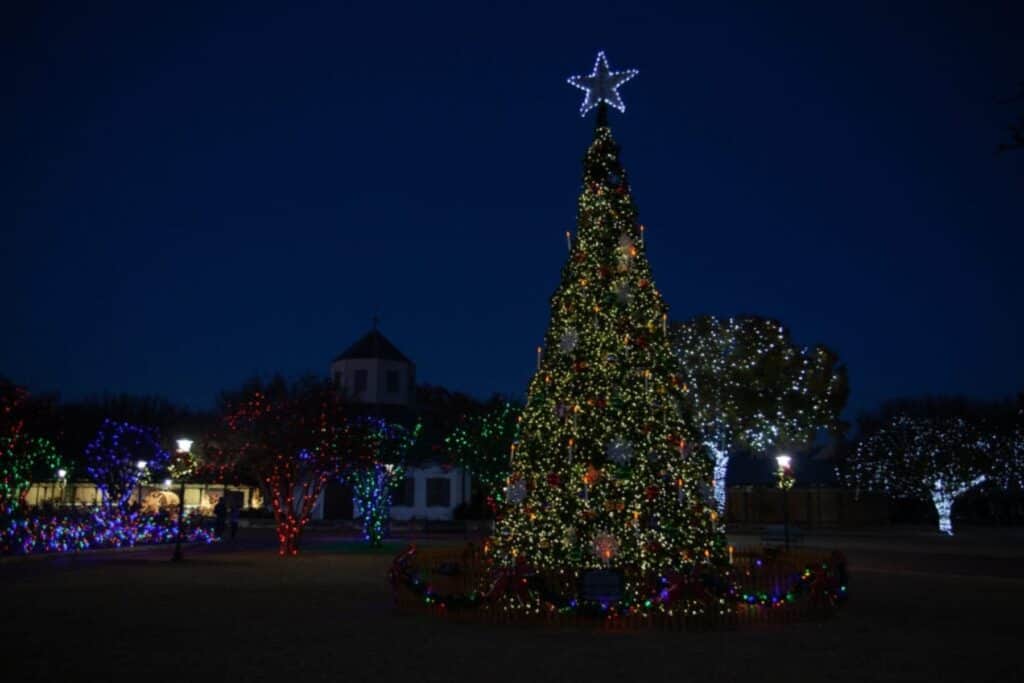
(760, 583)
(99, 527)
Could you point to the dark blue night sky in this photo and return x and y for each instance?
(198, 194)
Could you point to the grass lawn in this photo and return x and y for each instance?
(921, 608)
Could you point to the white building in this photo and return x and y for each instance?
(374, 373)
(430, 492)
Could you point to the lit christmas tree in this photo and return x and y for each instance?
(607, 472)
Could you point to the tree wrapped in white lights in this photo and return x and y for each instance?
(937, 459)
(1009, 466)
(750, 387)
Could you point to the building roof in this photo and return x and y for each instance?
(373, 345)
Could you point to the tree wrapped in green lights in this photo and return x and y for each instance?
(22, 455)
(607, 471)
(482, 445)
(749, 386)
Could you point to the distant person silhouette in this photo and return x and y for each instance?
(220, 513)
(236, 510)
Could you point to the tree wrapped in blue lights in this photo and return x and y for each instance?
(374, 474)
(749, 386)
(120, 458)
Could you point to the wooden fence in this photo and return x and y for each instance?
(809, 508)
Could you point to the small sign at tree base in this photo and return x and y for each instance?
(602, 585)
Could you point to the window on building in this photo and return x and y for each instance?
(404, 493)
(360, 385)
(337, 378)
(439, 492)
(391, 381)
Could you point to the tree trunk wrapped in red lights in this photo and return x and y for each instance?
(292, 438)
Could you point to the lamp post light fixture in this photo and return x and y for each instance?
(184, 448)
(62, 478)
(141, 467)
(785, 482)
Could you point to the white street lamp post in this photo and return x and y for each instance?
(184, 447)
(785, 475)
(141, 467)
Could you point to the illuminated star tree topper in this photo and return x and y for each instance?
(602, 85)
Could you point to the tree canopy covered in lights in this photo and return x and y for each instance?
(113, 460)
(482, 445)
(291, 438)
(1010, 457)
(750, 387)
(23, 456)
(607, 471)
(924, 458)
